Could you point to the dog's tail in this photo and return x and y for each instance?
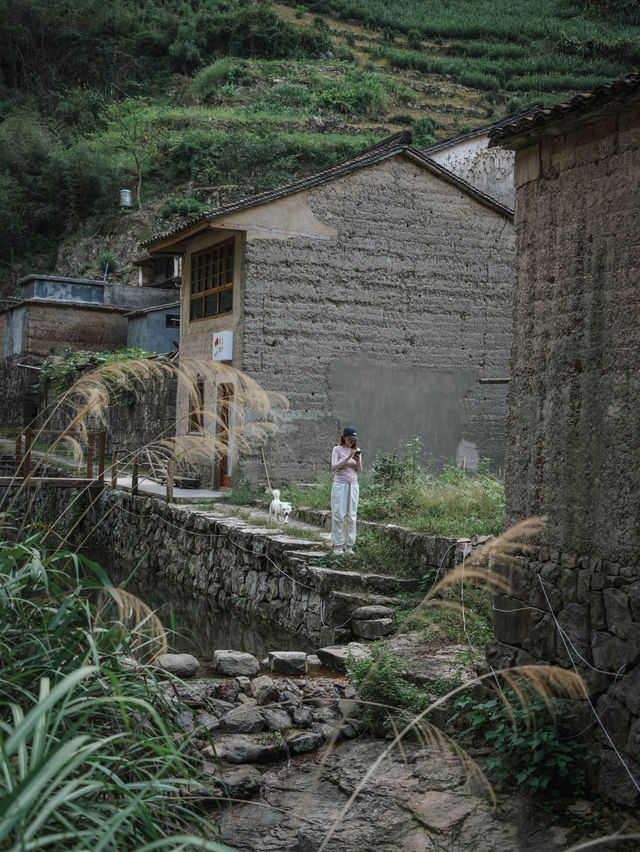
(275, 493)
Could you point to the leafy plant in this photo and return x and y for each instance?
(91, 756)
(107, 262)
(533, 743)
(423, 131)
(61, 372)
(182, 206)
(382, 688)
(402, 464)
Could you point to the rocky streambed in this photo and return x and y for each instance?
(289, 767)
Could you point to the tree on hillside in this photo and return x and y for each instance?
(132, 130)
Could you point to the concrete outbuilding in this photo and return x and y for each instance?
(55, 315)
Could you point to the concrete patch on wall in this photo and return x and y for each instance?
(389, 404)
(467, 455)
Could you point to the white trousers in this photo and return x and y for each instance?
(344, 506)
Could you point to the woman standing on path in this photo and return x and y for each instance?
(346, 465)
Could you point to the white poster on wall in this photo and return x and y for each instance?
(222, 346)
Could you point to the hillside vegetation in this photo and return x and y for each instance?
(192, 104)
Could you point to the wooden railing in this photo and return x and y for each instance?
(24, 444)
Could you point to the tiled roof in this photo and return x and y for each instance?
(399, 143)
(482, 131)
(580, 108)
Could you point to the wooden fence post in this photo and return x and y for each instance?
(134, 476)
(91, 437)
(170, 482)
(27, 452)
(101, 451)
(114, 470)
(18, 452)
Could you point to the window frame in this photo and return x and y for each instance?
(197, 408)
(202, 275)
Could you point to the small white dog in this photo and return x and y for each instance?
(278, 509)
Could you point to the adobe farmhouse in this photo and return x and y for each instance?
(573, 432)
(374, 293)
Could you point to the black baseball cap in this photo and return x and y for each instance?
(349, 432)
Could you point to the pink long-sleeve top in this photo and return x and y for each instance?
(344, 468)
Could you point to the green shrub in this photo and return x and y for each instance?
(211, 79)
(380, 680)
(107, 262)
(401, 465)
(534, 746)
(182, 206)
(414, 39)
(357, 93)
(423, 131)
(62, 372)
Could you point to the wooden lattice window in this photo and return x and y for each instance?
(212, 281)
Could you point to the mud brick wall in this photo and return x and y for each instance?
(55, 328)
(573, 433)
(387, 324)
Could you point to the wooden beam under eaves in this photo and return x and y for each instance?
(177, 243)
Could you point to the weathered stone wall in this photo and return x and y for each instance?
(16, 390)
(387, 325)
(574, 424)
(57, 327)
(132, 425)
(260, 574)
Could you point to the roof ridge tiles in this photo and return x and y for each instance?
(579, 104)
(392, 146)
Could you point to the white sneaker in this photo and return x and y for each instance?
(348, 550)
(338, 551)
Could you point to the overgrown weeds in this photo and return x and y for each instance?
(532, 740)
(90, 753)
(402, 490)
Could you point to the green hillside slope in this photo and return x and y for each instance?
(195, 103)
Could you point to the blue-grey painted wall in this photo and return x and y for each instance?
(148, 330)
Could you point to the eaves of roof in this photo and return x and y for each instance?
(50, 303)
(138, 312)
(482, 131)
(586, 108)
(369, 157)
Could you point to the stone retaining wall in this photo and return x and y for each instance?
(597, 608)
(259, 573)
(130, 426)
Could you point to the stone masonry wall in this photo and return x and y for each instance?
(389, 325)
(16, 389)
(573, 451)
(131, 425)
(263, 575)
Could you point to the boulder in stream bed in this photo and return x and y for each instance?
(264, 690)
(288, 662)
(180, 665)
(234, 663)
(334, 657)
